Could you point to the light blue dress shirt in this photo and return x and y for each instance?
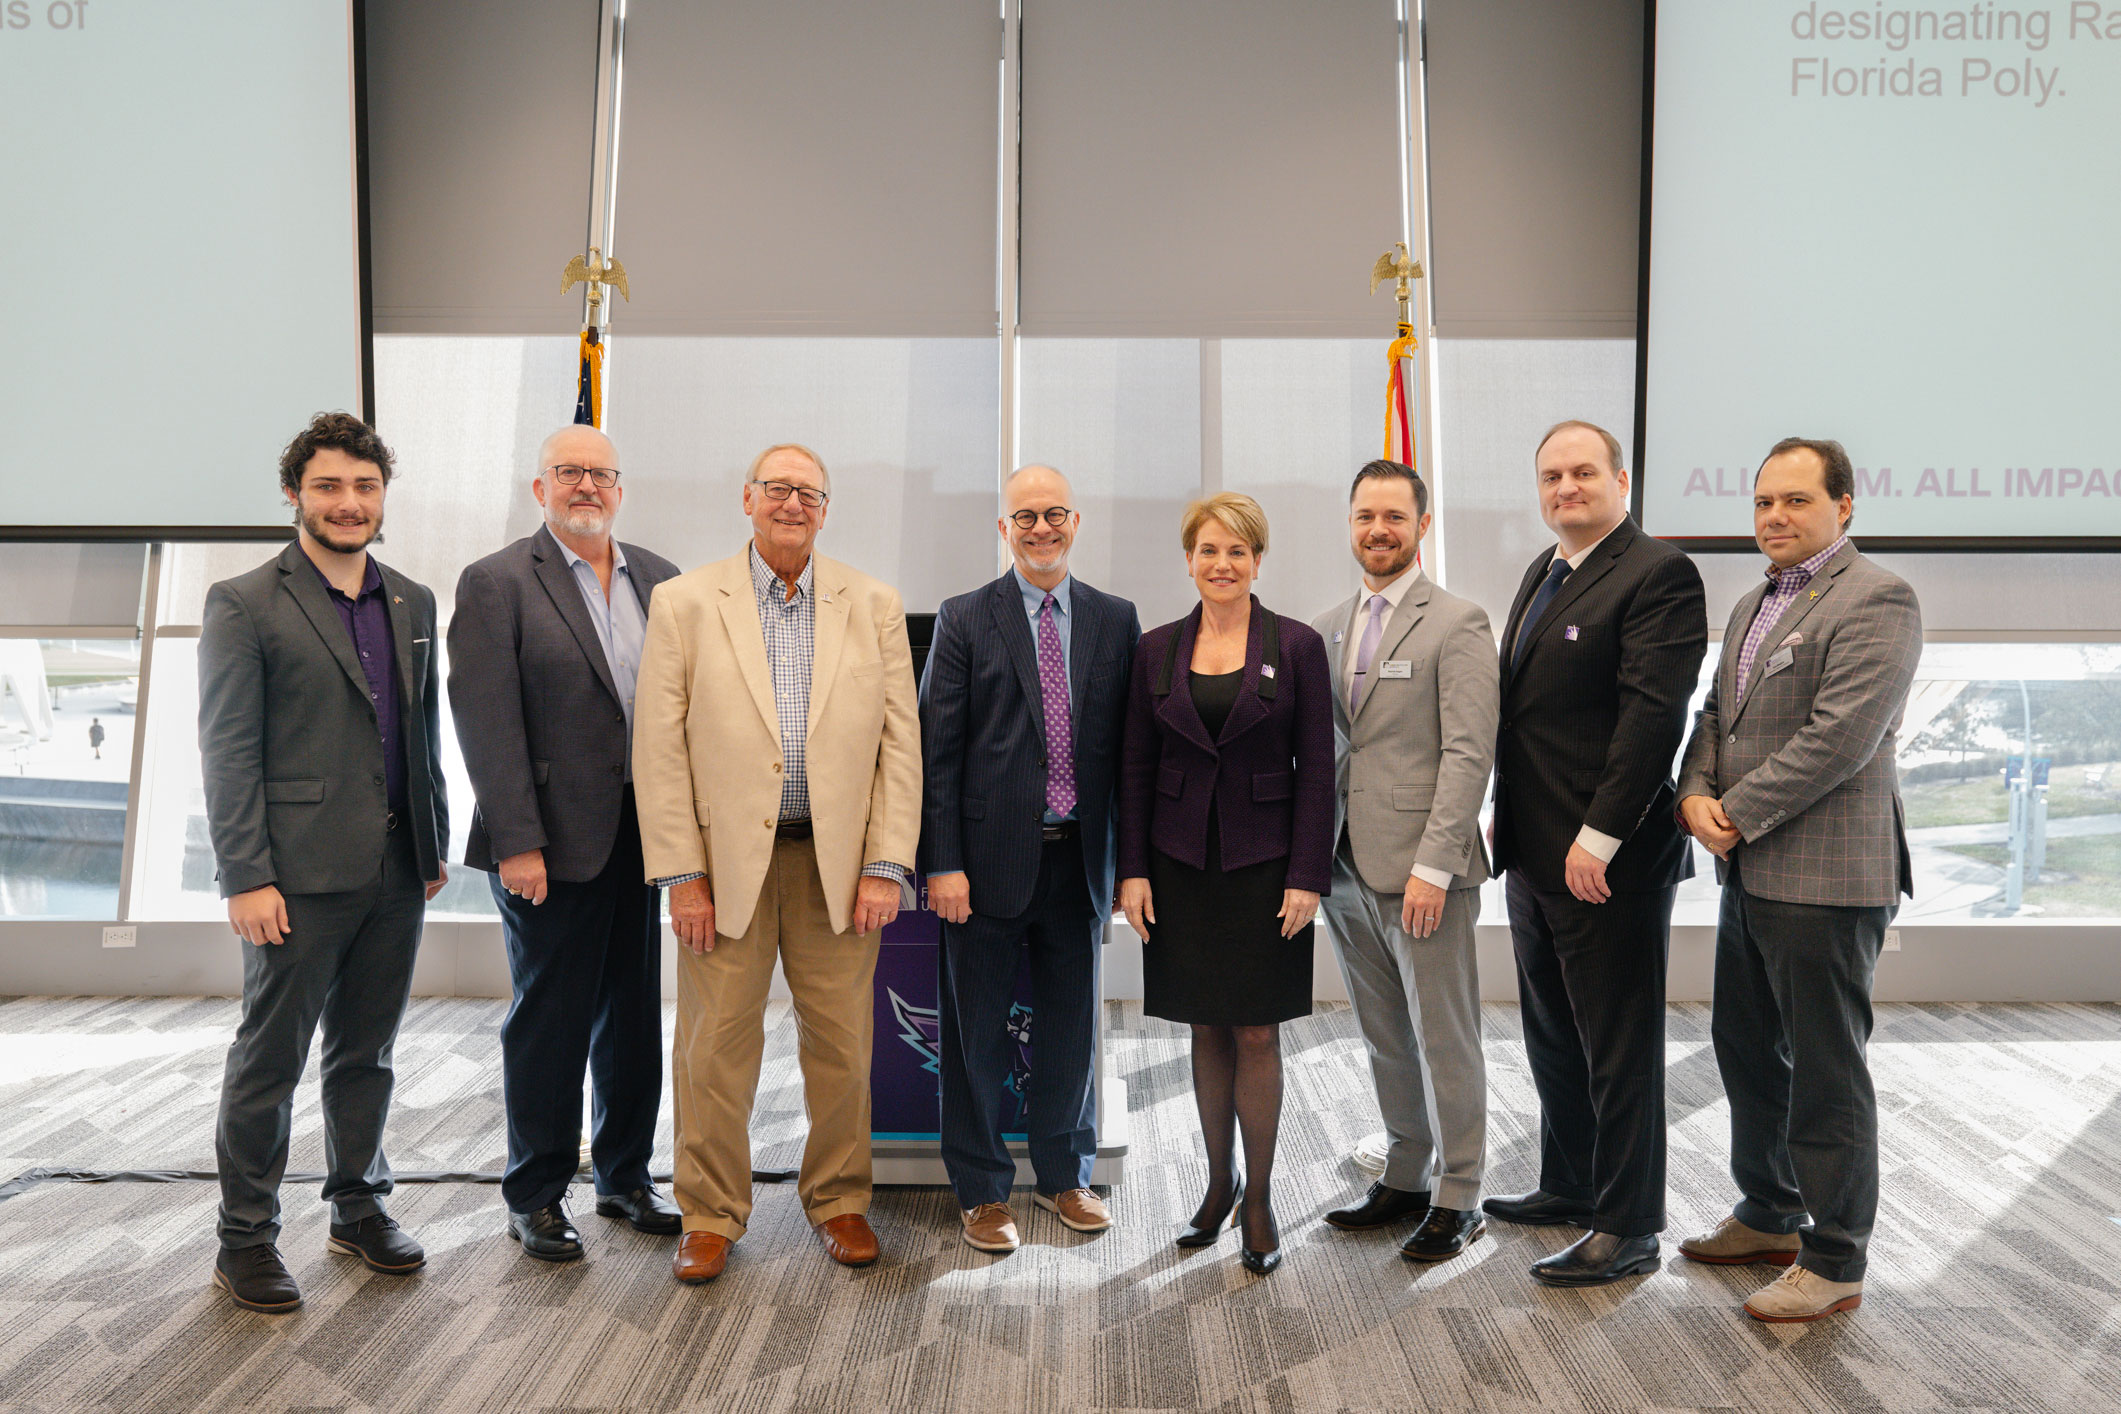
(621, 625)
(1063, 621)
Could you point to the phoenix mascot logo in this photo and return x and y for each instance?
(921, 1027)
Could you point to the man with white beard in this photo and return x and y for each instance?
(544, 647)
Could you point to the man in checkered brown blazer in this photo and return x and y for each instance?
(1789, 780)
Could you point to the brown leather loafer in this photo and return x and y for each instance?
(700, 1257)
(849, 1239)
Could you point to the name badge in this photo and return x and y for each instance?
(1396, 668)
(1781, 659)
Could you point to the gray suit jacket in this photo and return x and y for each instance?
(287, 735)
(537, 712)
(1803, 762)
(1413, 763)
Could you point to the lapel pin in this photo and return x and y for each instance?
(396, 600)
(1815, 594)
(1266, 670)
(1338, 637)
(1571, 633)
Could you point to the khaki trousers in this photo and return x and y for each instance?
(721, 1034)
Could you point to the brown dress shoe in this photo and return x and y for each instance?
(700, 1257)
(849, 1239)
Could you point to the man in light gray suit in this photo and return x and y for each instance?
(1417, 694)
(544, 648)
(318, 705)
(1789, 780)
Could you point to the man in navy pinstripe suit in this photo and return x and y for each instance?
(1022, 706)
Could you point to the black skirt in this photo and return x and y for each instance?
(1215, 955)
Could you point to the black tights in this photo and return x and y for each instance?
(1237, 1081)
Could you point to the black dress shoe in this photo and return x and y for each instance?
(547, 1234)
(379, 1242)
(256, 1279)
(1443, 1234)
(1380, 1207)
(1198, 1235)
(646, 1209)
(1260, 1263)
(1539, 1208)
(1597, 1258)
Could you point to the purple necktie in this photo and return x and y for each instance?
(1359, 685)
(1060, 737)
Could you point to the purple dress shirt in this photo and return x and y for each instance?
(367, 620)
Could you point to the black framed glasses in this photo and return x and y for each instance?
(782, 490)
(603, 477)
(1055, 516)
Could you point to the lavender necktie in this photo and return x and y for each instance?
(1372, 631)
(1060, 736)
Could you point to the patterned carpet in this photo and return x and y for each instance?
(1995, 1280)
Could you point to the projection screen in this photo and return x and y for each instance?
(183, 258)
(1893, 225)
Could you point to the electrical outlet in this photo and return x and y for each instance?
(1892, 940)
(125, 937)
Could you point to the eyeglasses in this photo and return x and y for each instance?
(1055, 516)
(605, 477)
(782, 490)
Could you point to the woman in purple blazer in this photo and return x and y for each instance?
(1225, 844)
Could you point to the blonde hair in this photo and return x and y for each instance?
(1238, 513)
(815, 460)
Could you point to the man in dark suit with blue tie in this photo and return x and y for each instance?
(1022, 707)
(1599, 657)
(544, 648)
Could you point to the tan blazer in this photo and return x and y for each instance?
(707, 744)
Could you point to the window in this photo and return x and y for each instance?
(66, 745)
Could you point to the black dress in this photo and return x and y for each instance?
(1215, 955)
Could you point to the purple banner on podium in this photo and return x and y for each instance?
(904, 1068)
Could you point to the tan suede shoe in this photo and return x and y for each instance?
(1732, 1244)
(1078, 1208)
(990, 1227)
(1801, 1294)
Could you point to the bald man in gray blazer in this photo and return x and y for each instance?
(1790, 780)
(1417, 691)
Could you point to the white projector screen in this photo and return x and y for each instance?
(182, 255)
(1897, 226)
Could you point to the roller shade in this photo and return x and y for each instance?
(1535, 163)
(1209, 168)
(809, 167)
(481, 119)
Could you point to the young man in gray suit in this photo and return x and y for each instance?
(325, 803)
(1416, 697)
(1789, 780)
(544, 647)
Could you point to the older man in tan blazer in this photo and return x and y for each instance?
(777, 763)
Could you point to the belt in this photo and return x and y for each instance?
(792, 830)
(1065, 830)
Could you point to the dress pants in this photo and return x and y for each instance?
(348, 962)
(721, 1034)
(977, 968)
(583, 966)
(1590, 986)
(1417, 1001)
(1792, 1018)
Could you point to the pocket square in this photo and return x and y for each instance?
(1793, 640)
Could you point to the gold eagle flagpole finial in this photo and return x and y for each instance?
(1402, 268)
(597, 273)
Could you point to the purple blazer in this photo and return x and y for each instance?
(1269, 776)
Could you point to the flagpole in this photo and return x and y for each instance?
(1414, 191)
(603, 213)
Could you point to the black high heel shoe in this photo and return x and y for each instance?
(1260, 1263)
(1191, 1236)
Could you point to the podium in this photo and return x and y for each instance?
(904, 1072)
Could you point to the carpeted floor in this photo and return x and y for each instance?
(1995, 1278)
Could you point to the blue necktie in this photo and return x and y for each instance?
(1556, 573)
